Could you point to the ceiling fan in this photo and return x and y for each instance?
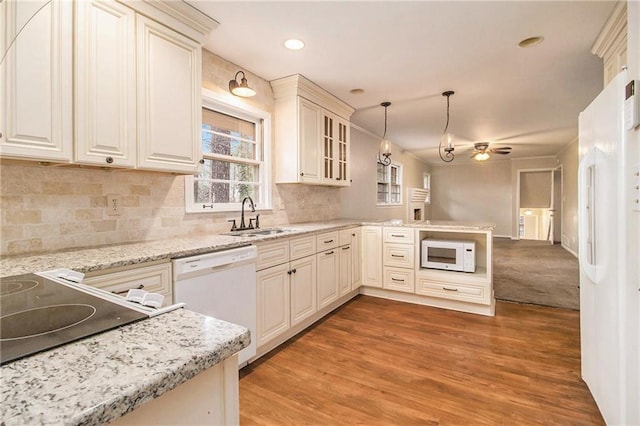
(482, 152)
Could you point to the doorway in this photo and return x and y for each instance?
(540, 204)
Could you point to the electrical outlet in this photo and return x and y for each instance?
(113, 205)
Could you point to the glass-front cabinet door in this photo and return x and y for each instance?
(335, 150)
(328, 147)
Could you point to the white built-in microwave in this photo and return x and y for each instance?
(452, 255)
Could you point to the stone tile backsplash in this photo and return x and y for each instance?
(45, 208)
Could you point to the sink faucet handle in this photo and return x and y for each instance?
(251, 223)
(233, 226)
(258, 221)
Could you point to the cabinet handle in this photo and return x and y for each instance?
(398, 236)
(329, 252)
(397, 280)
(327, 242)
(346, 248)
(140, 287)
(449, 289)
(397, 255)
(109, 160)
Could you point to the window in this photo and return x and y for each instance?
(389, 184)
(426, 177)
(235, 153)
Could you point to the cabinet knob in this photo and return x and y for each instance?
(0, 135)
(201, 161)
(294, 270)
(109, 160)
(302, 174)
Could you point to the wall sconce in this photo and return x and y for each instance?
(384, 153)
(241, 89)
(447, 138)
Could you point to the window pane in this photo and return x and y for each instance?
(224, 170)
(222, 123)
(208, 192)
(227, 145)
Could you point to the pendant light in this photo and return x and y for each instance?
(384, 153)
(446, 140)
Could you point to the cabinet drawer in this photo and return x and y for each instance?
(398, 279)
(302, 247)
(272, 254)
(327, 241)
(399, 255)
(153, 278)
(398, 235)
(346, 235)
(465, 293)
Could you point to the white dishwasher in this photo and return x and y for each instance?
(220, 285)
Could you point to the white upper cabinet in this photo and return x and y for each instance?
(36, 80)
(169, 99)
(312, 134)
(128, 96)
(105, 82)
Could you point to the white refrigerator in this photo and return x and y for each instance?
(602, 250)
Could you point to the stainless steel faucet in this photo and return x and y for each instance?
(253, 209)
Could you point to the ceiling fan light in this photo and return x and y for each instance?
(481, 156)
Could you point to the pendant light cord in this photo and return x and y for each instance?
(448, 155)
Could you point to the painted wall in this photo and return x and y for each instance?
(53, 208)
(359, 200)
(569, 161)
(477, 192)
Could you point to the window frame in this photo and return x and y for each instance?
(400, 183)
(235, 108)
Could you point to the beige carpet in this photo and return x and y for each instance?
(535, 272)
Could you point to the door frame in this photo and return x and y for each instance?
(516, 205)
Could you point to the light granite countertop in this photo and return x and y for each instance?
(98, 379)
(105, 257)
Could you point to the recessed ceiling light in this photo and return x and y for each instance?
(531, 41)
(356, 91)
(294, 44)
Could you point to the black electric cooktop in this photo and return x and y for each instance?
(37, 313)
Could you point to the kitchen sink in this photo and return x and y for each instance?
(259, 232)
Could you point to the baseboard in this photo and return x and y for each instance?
(569, 250)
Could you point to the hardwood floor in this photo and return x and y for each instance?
(376, 361)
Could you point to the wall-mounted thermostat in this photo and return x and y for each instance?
(631, 115)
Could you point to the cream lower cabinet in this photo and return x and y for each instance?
(372, 256)
(286, 285)
(273, 302)
(36, 112)
(345, 276)
(398, 259)
(327, 277)
(303, 289)
(154, 278)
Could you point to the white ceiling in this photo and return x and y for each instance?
(408, 53)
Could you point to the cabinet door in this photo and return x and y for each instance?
(344, 276)
(327, 277)
(169, 99)
(356, 279)
(272, 300)
(328, 148)
(153, 278)
(105, 96)
(343, 151)
(36, 80)
(303, 288)
(372, 256)
(309, 116)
